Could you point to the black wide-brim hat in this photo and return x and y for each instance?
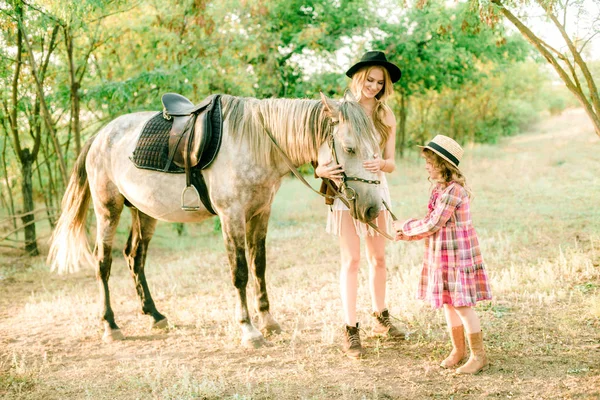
(376, 58)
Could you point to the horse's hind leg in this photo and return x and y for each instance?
(142, 229)
(234, 233)
(256, 233)
(108, 204)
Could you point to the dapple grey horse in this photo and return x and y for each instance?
(242, 182)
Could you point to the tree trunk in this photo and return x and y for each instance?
(28, 207)
(401, 138)
(74, 91)
(11, 210)
(47, 196)
(50, 125)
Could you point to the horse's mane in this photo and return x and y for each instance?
(299, 126)
(359, 122)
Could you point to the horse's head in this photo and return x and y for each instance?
(353, 141)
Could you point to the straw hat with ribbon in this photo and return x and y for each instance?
(447, 148)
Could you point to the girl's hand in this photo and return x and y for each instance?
(401, 236)
(397, 225)
(375, 165)
(330, 171)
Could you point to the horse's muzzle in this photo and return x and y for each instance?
(364, 215)
(372, 213)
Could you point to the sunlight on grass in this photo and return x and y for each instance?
(536, 214)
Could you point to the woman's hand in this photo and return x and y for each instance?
(375, 165)
(330, 171)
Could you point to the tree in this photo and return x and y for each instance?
(31, 112)
(568, 62)
(271, 34)
(18, 104)
(441, 47)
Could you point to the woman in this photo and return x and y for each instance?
(371, 85)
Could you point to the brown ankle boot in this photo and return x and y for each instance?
(478, 360)
(352, 347)
(383, 326)
(459, 350)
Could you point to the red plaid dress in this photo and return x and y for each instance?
(453, 270)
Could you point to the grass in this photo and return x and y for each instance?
(535, 210)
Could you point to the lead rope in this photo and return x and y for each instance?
(289, 163)
(345, 201)
(292, 168)
(338, 194)
(371, 224)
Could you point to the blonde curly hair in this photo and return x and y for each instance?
(449, 173)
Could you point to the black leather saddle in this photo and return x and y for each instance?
(183, 138)
(195, 136)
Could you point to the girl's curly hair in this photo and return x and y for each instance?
(448, 171)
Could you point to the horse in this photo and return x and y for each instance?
(242, 182)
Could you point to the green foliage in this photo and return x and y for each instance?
(501, 104)
(460, 77)
(441, 47)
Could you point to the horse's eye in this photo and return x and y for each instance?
(349, 150)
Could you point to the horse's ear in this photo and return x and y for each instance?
(348, 95)
(331, 108)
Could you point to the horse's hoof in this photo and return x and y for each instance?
(269, 325)
(272, 328)
(162, 324)
(112, 335)
(255, 342)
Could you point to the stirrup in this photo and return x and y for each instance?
(188, 207)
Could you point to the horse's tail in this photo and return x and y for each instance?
(69, 245)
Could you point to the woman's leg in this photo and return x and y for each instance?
(375, 246)
(350, 261)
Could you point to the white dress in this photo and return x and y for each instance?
(334, 215)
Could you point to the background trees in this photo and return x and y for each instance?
(67, 68)
(563, 17)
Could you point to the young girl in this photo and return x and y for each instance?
(453, 274)
(371, 84)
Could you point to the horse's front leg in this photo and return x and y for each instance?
(256, 234)
(234, 234)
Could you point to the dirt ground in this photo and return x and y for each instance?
(536, 213)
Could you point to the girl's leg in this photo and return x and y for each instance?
(457, 336)
(469, 319)
(452, 317)
(478, 359)
(350, 261)
(375, 246)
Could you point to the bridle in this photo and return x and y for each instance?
(343, 192)
(345, 178)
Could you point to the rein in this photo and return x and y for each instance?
(338, 194)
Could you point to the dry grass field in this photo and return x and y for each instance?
(536, 209)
